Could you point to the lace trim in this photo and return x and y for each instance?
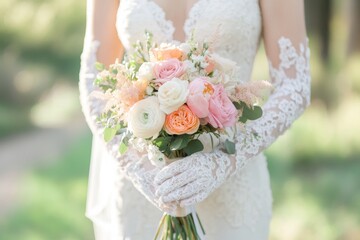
(285, 105)
(166, 26)
(194, 14)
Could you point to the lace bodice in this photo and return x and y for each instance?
(234, 35)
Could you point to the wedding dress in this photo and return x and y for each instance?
(240, 208)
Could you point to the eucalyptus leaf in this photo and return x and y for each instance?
(238, 105)
(252, 114)
(193, 146)
(242, 119)
(180, 142)
(123, 148)
(160, 141)
(229, 146)
(109, 134)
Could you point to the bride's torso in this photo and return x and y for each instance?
(234, 26)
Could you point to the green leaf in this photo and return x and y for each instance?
(109, 133)
(229, 146)
(123, 148)
(252, 114)
(193, 146)
(99, 66)
(180, 142)
(238, 105)
(162, 143)
(242, 119)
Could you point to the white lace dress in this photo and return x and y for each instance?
(241, 207)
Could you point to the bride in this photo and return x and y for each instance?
(232, 193)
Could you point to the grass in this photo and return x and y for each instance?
(52, 201)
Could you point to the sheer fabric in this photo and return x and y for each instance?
(237, 201)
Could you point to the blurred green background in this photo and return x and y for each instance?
(45, 144)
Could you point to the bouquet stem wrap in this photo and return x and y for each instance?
(181, 224)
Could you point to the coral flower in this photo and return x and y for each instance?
(167, 52)
(182, 121)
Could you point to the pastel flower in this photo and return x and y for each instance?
(222, 111)
(251, 92)
(182, 121)
(200, 91)
(165, 52)
(145, 119)
(132, 92)
(157, 158)
(172, 95)
(185, 48)
(223, 64)
(210, 65)
(146, 71)
(168, 69)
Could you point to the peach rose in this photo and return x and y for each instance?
(168, 69)
(182, 121)
(167, 52)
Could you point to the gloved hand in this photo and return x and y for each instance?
(190, 180)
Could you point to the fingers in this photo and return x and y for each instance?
(184, 192)
(167, 207)
(173, 169)
(199, 197)
(175, 182)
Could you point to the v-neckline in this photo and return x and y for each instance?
(188, 19)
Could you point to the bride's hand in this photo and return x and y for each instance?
(190, 180)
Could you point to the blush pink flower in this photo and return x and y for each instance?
(222, 112)
(211, 65)
(131, 92)
(166, 70)
(200, 91)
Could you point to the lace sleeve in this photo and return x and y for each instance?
(291, 80)
(134, 163)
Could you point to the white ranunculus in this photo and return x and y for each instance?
(145, 118)
(172, 95)
(146, 71)
(223, 64)
(156, 157)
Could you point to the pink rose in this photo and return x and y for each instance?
(222, 111)
(168, 69)
(200, 91)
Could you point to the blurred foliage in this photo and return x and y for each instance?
(314, 167)
(52, 200)
(40, 45)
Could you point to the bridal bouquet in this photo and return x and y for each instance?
(162, 98)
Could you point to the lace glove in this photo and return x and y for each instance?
(135, 164)
(192, 179)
